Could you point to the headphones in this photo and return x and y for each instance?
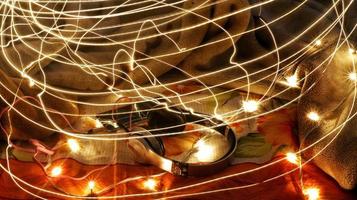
(174, 120)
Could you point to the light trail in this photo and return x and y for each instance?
(56, 33)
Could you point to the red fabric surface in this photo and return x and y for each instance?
(286, 187)
(277, 129)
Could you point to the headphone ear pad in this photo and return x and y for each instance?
(164, 119)
(155, 143)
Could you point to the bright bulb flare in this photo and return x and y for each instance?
(352, 51)
(91, 185)
(313, 116)
(292, 158)
(318, 43)
(292, 81)
(73, 145)
(352, 76)
(204, 151)
(312, 193)
(56, 171)
(250, 106)
(150, 184)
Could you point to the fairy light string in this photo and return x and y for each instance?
(11, 10)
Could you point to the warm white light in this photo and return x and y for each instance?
(166, 164)
(98, 124)
(56, 171)
(318, 42)
(292, 157)
(352, 76)
(91, 185)
(31, 82)
(218, 116)
(313, 116)
(73, 145)
(150, 184)
(292, 81)
(204, 151)
(250, 106)
(312, 193)
(352, 51)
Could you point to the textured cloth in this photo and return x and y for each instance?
(277, 128)
(64, 57)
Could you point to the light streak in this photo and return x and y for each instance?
(55, 32)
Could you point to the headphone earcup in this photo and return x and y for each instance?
(164, 119)
(155, 143)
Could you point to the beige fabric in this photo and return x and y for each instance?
(67, 54)
(71, 54)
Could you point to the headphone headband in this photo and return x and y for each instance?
(198, 169)
(189, 169)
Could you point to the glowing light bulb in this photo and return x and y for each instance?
(312, 193)
(91, 185)
(292, 81)
(31, 82)
(250, 106)
(73, 145)
(292, 157)
(98, 124)
(56, 171)
(313, 116)
(352, 51)
(352, 76)
(218, 116)
(204, 151)
(318, 43)
(150, 184)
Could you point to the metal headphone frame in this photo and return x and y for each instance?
(190, 169)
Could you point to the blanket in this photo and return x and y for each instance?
(64, 63)
(275, 181)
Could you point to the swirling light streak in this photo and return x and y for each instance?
(316, 68)
(176, 82)
(45, 87)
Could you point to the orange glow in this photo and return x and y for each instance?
(73, 145)
(204, 151)
(91, 185)
(312, 193)
(313, 116)
(150, 184)
(250, 106)
(292, 157)
(352, 76)
(56, 171)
